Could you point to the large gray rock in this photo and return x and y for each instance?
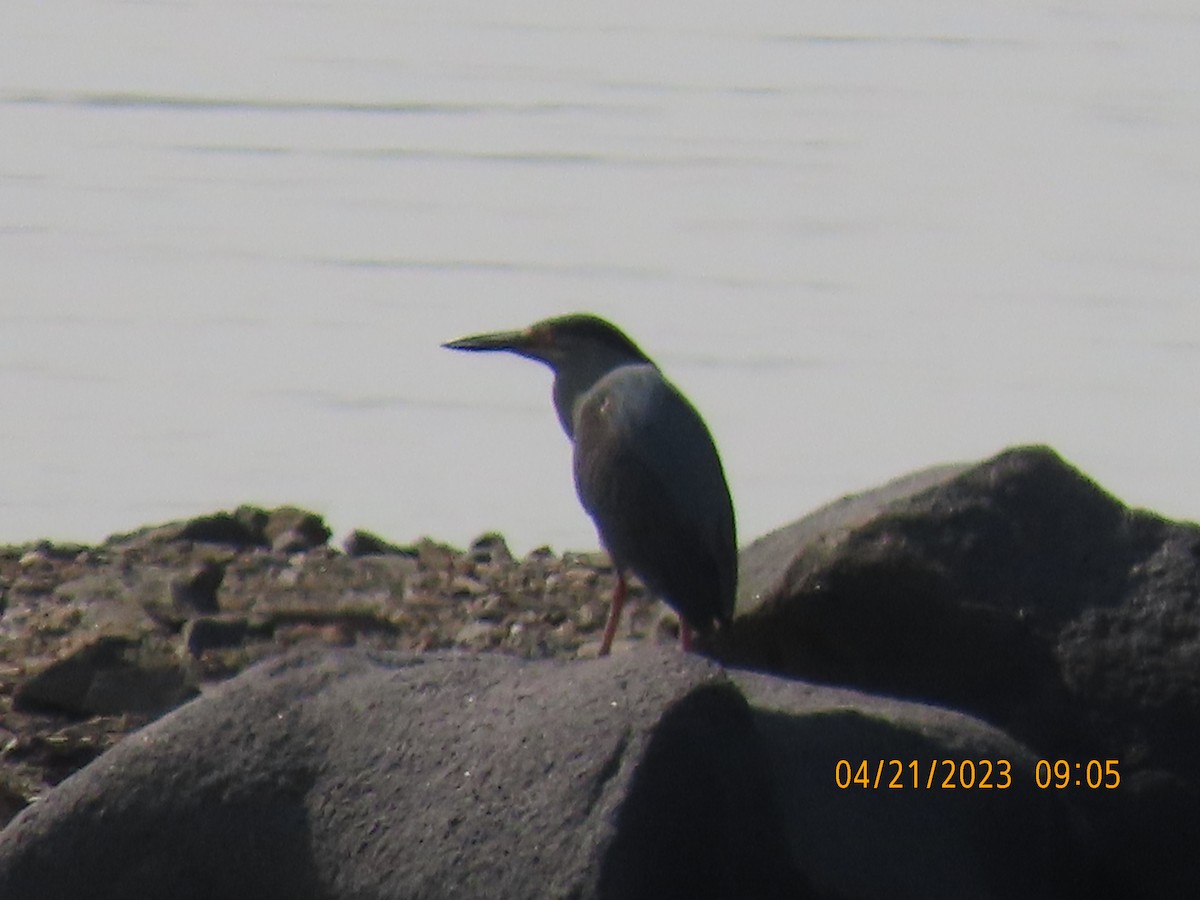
(979, 827)
(360, 776)
(1015, 591)
(645, 775)
(1018, 590)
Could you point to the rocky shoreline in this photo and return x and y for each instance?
(97, 641)
(1005, 611)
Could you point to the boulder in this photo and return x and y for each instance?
(355, 775)
(292, 530)
(1019, 591)
(648, 774)
(490, 548)
(110, 675)
(883, 798)
(366, 543)
(1016, 589)
(968, 623)
(286, 529)
(197, 590)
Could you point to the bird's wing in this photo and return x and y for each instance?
(648, 472)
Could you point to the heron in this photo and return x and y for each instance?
(646, 468)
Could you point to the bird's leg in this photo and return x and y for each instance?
(685, 636)
(614, 614)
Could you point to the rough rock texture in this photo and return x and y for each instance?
(97, 641)
(1019, 591)
(345, 774)
(348, 775)
(108, 676)
(1014, 591)
(914, 836)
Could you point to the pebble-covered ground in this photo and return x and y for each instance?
(96, 641)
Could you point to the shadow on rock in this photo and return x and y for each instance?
(1016, 590)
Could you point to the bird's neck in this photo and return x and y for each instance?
(572, 384)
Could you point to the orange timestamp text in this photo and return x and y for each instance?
(971, 774)
(929, 774)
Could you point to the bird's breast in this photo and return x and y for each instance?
(623, 400)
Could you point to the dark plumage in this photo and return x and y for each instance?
(646, 468)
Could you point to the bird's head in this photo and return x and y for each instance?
(580, 348)
(579, 341)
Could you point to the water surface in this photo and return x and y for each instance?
(864, 237)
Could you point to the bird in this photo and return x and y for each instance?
(645, 465)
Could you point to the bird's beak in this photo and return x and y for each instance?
(499, 340)
(526, 343)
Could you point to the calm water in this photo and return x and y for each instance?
(865, 237)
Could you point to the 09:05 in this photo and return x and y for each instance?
(1061, 773)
